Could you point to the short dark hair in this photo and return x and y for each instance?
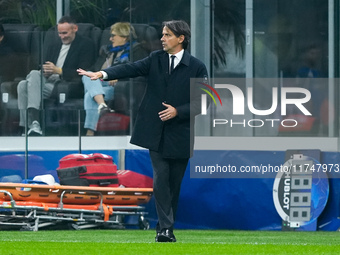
(179, 27)
(67, 19)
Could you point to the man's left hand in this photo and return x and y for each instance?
(169, 113)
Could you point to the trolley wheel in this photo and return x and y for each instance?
(143, 223)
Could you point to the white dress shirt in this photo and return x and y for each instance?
(177, 59)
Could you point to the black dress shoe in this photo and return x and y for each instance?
(173, 238)
(165, 235)
(157, 235)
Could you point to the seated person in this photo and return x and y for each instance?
(61, 61)
(116, 53)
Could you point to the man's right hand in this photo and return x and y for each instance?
(91, 75)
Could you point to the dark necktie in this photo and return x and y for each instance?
(172, 63)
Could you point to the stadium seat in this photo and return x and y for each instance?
(25, 40)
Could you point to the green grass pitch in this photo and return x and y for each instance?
(189, 242)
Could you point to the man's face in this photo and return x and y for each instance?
(170, 43)
(67, 32)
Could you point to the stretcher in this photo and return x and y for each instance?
(33, 206)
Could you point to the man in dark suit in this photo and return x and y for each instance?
(165, 119)
(61, 61)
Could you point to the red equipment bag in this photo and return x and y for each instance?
(130, 179)
(95, 170)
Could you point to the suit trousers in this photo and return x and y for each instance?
(167, 178)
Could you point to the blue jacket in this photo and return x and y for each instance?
(173, 138)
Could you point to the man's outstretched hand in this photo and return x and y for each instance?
(91, 75)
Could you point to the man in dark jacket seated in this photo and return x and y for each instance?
(60, 63)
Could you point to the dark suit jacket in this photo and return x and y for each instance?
(173, 138)
(80, 55)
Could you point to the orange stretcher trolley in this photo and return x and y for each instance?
(33, 206)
